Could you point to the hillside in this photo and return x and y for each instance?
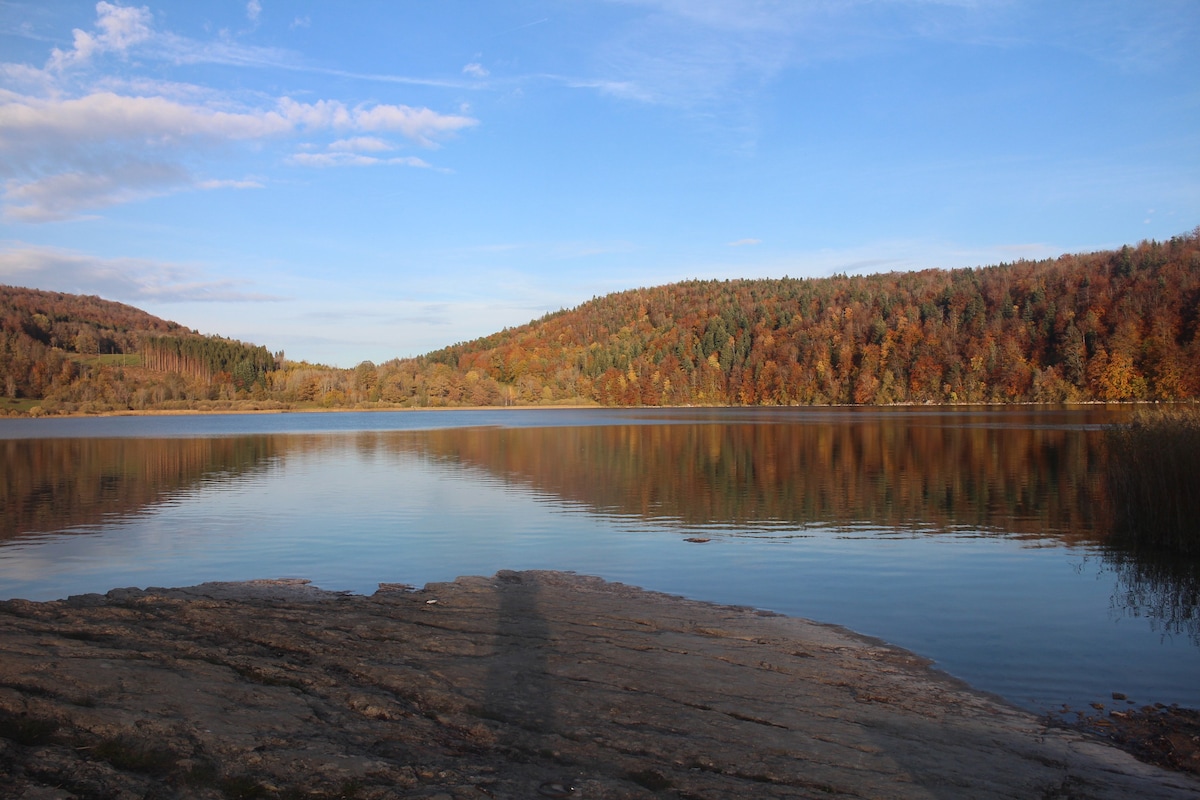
(1105, 326)
(1118, 325)
(82, 351)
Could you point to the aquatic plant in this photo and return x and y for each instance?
(1153, 479)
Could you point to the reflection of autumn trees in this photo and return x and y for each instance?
(937, 473)
(1016, 472)
(888, 469)
(50, 484)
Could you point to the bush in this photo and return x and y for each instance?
(1153, 479)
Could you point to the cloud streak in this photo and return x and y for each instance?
(126, 279)
(65, 153)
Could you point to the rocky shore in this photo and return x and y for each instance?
(522, 685)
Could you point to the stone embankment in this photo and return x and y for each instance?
(525, 685)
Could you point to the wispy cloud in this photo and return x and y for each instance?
(120, 140)
(745, 242)
(66, 194)
(63, 153)
(127, 279)
(348, 159)
(60, 157)
(697, 53)
(360, 144)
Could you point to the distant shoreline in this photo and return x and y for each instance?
(183, 412)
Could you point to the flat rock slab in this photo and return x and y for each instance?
(523, 685)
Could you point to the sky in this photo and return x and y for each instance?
(381, 178)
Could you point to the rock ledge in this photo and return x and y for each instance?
(531, 684)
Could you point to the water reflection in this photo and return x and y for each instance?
(1162, 588)
(1032, 476)
(51, 485)
(887, 472)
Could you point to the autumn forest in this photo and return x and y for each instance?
(1105, 326)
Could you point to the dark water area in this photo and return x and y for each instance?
(975, 537)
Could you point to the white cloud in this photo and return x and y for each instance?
(66, 148)
(35, 125)
(422, 125)
(229, 184)
(66, 194)
(125, 279)
(745, 242)
(59, 157)
(360, 144)
(475, 70)
(350, 159)
(120, 27)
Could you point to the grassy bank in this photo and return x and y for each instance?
(1153, 478)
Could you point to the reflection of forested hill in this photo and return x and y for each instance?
(50, 484)
(888, 470)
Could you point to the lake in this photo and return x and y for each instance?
(972, 536)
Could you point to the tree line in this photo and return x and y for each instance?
(1105, 326)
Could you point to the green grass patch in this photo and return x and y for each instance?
(1153, 479)
(21, 405)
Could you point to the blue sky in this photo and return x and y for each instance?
(367, 180)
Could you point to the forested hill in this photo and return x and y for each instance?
(1101, 326)
(76, 349)
(1119, 325)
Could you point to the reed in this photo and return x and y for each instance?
(1153, 479)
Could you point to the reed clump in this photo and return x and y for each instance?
(1153, 479)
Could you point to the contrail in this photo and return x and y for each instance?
(519, 27)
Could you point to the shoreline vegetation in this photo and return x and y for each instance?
(200, 408)
(1110, 326)
(1152, 473)
(524, 684)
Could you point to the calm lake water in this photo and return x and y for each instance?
(973, 537)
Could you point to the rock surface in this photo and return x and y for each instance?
(524, 685)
